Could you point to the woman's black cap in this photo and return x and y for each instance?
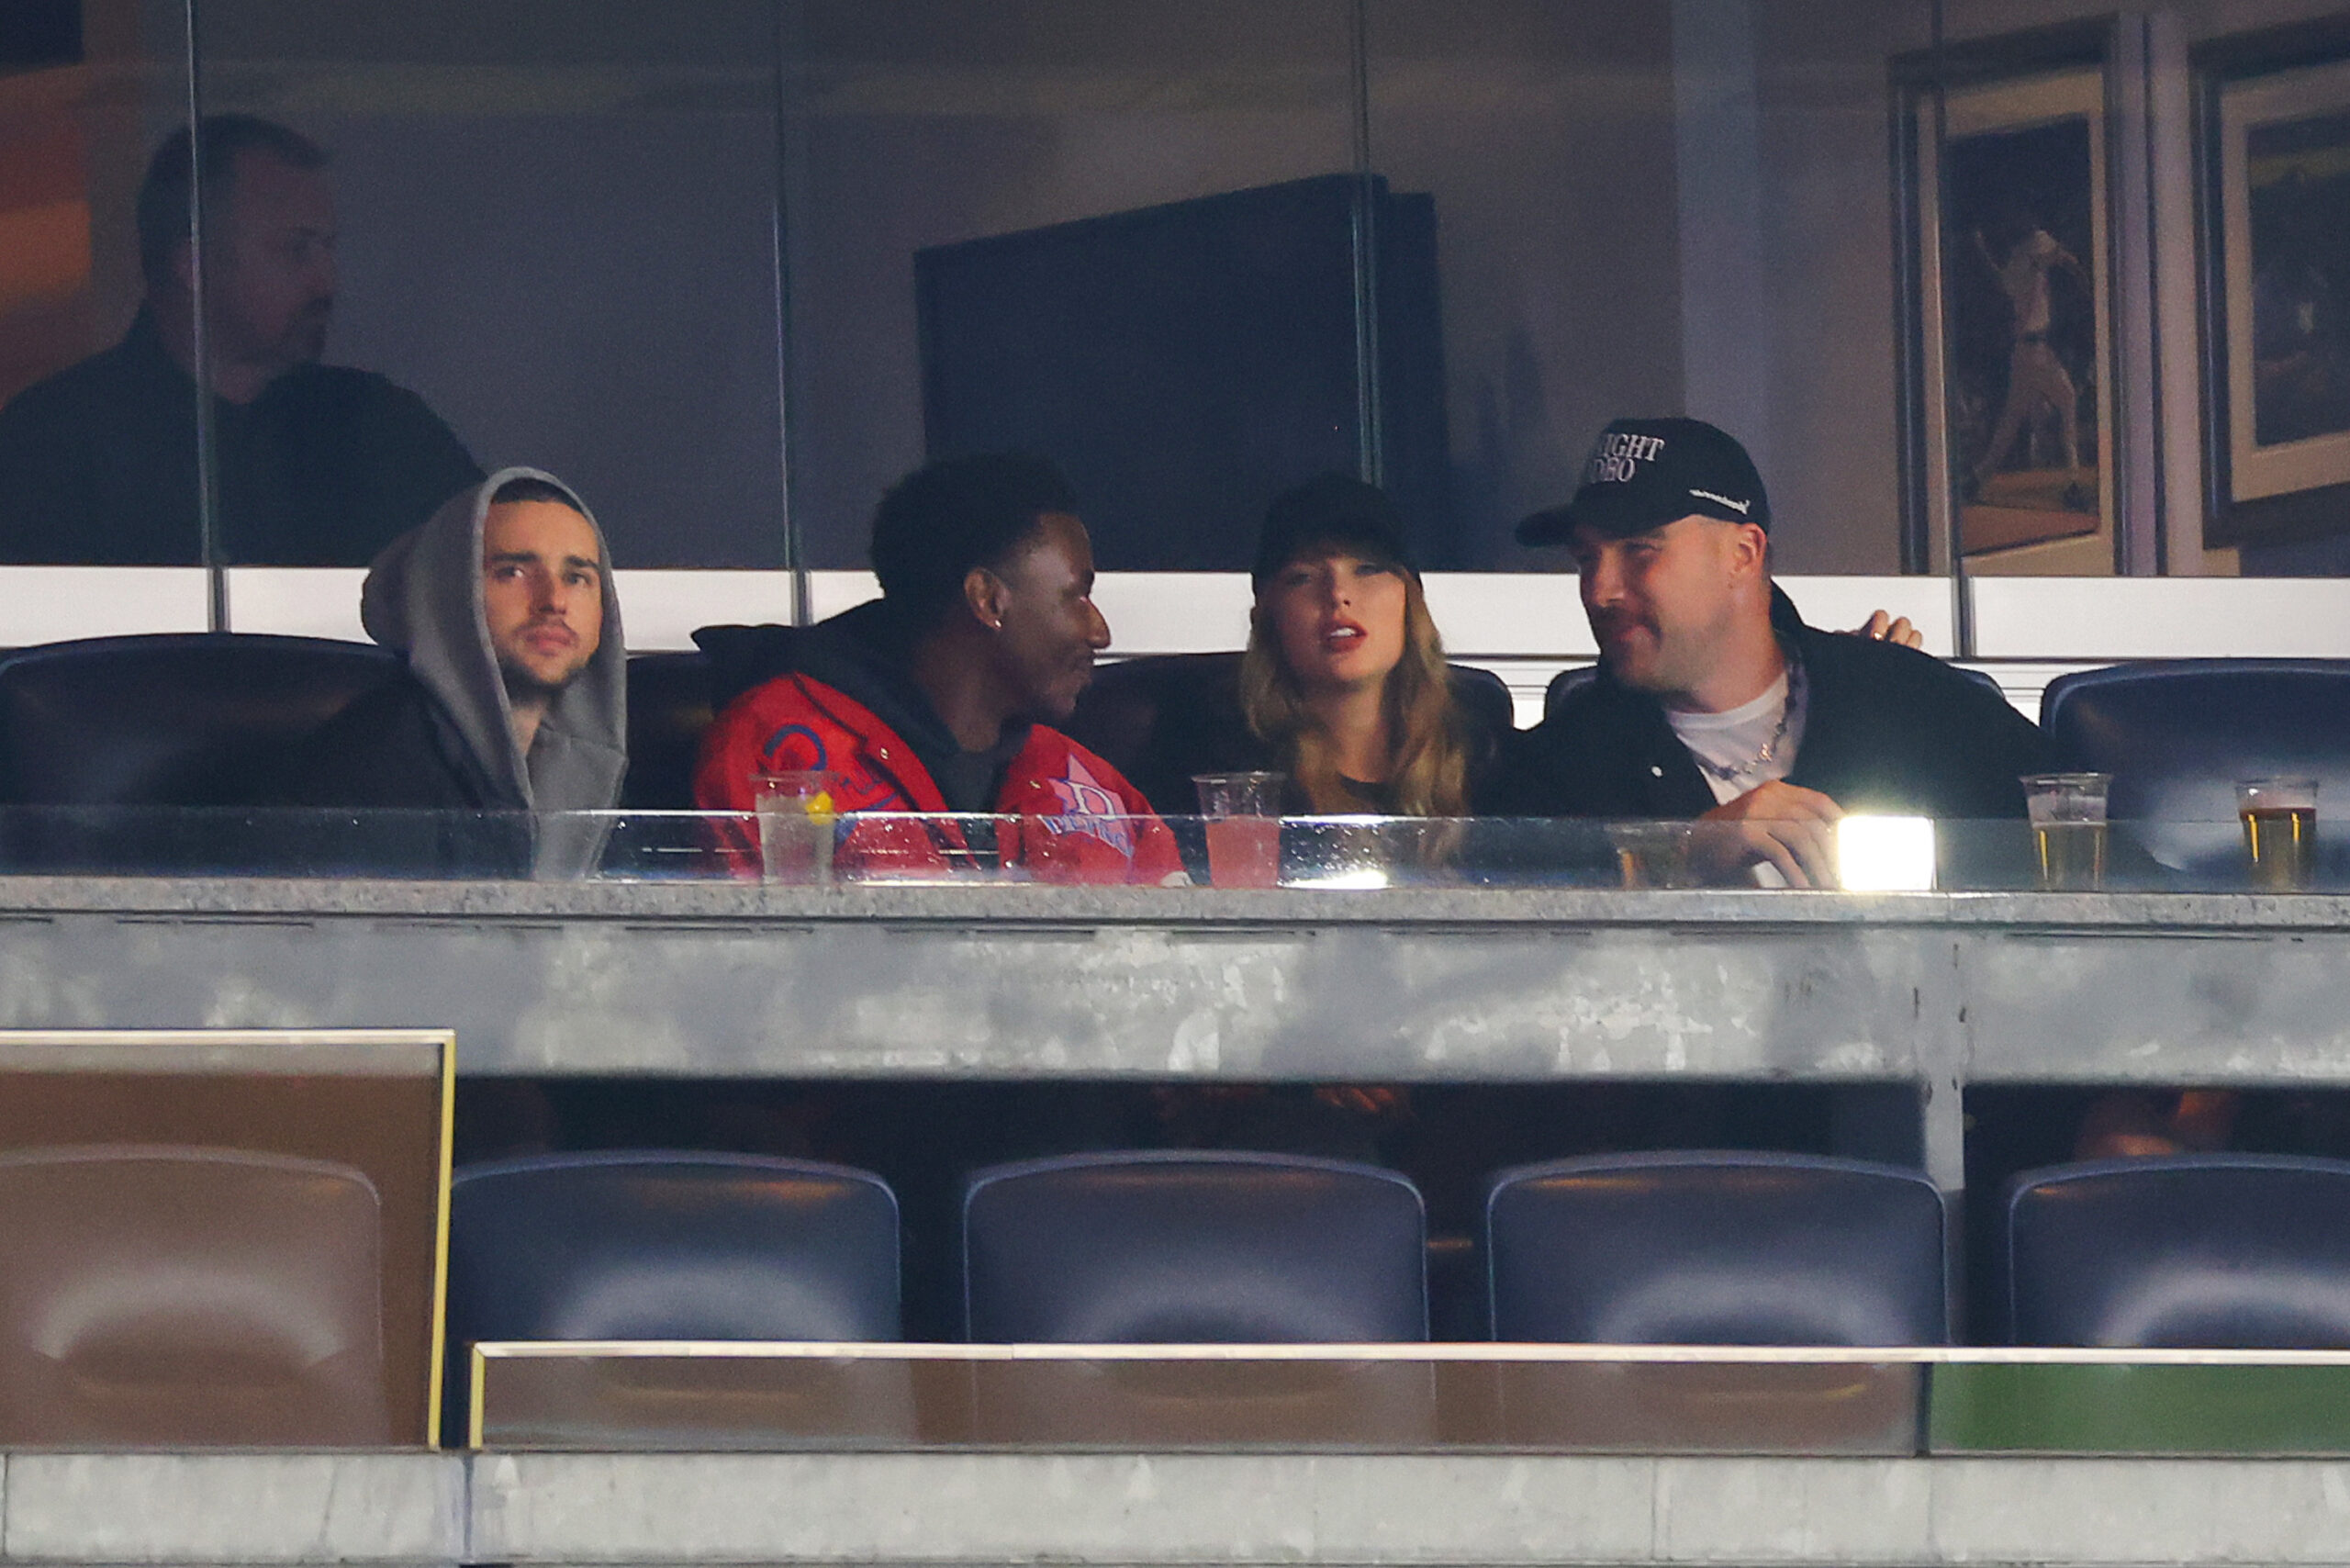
(1331, 509)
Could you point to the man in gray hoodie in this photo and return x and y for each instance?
(516, 698)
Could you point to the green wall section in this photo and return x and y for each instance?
(2139, 1409)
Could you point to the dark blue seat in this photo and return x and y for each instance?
(663, 1246)
(200, 718)
(1716, 1248)
(1193, 1248)
(668, 708)
(96, 734)
(2249, 1251)
(1563, 684)
(2177, 734)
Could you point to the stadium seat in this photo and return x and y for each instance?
(2177, 734)
(201, 719)
(1722, 1249)
(1175, 1246)
(1566, 682)
(668, 709)
(1153, 717)
(662, 1246)
(650, 1245)
(2182, 1250)
(165, 1295)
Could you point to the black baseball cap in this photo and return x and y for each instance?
(1327, 509)
(1643, 474)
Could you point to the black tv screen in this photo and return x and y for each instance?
(1186, 363)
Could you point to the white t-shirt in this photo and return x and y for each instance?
(1735, 740)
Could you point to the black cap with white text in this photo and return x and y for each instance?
(1643, 474)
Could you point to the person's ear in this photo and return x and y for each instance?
(1750, 548)
(183, 266)
(986, 596)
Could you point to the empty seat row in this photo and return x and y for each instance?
(1181, 1247)
(126, 1270)
(1174, 1246)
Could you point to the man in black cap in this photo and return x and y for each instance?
(1714, 700)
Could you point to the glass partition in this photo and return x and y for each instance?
(97, 465)
(1391, 1398)
(1644, 209)
(1296, 855)
(731, 266)
(1116, 232)
(1410, 1398)
(552, 243)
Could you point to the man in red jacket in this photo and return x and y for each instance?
(939, 696)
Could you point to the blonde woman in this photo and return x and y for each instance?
(1345, 687)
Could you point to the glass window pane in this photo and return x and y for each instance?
(86, 474)
(1118, 231)
(1646, 208)
(556, 231)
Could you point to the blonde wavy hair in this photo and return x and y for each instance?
(1430, 770)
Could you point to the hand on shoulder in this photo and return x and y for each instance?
(1882, 627)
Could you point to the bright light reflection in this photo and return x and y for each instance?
(1358, 879)
(1885, 854)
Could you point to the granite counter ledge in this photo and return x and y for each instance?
(1036, 904)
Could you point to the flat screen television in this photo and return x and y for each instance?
(1186, 363)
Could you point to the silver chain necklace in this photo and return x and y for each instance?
(1760, 759)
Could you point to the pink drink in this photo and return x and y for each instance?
(1244, 852)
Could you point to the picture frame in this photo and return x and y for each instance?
(2273, 201)
(2004, 257)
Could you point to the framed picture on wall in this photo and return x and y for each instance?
(2023, 261)
(2015, 324)
(2005, 273)
(2275, 253)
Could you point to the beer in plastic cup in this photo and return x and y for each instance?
(2068, 827)
(2280, 817)
(1653, 855)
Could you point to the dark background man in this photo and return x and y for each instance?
(1714, 700)
(314, 465)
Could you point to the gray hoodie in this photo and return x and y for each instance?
(423, 596)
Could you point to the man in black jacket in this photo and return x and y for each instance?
(313, 464)
(1713, 700)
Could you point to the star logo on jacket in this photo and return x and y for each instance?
(1089, 807)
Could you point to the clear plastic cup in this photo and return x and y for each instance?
(2068, 828)
(1241, 813)
(2280, 817)
(796, 820)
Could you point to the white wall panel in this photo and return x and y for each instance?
(56, 604)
